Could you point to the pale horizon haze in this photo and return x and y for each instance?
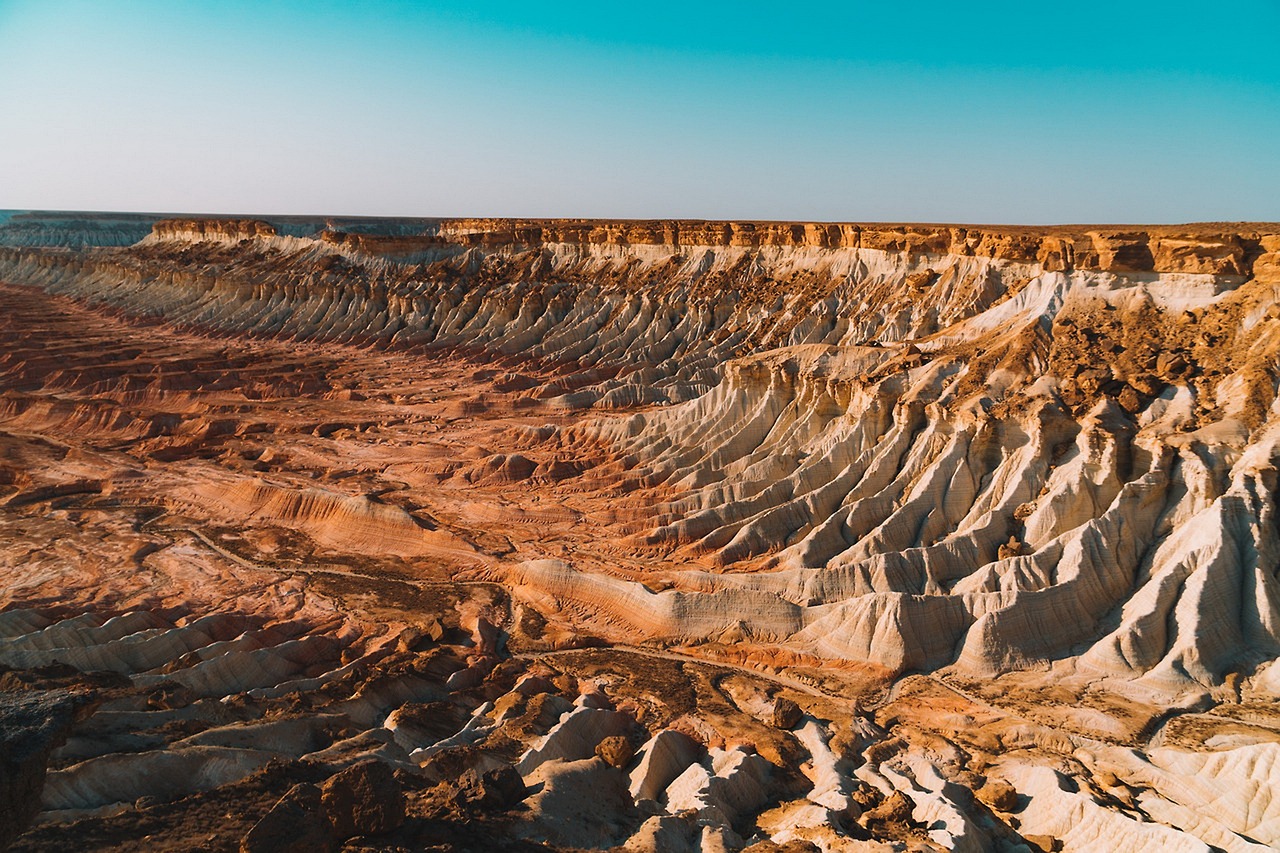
(998, 112)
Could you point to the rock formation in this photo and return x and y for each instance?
(706, 536)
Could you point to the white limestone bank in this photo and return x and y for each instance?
(916, 523)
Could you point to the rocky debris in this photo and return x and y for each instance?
(940, 805)
(895, 808)
(32, 726)
(364, 799)
(806, 823)
(450, 765)
(536, 714)
(417, 637)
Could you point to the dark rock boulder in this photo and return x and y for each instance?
(32, 725)
(495, 788)
(363, 800)
(297, 823)
(786, 714)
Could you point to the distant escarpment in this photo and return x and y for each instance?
(1227, 250)
(641, 312)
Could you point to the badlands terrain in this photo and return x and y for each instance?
(475, 535)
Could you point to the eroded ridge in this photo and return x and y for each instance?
(906, 537)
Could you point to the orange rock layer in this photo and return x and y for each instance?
(1227, 249)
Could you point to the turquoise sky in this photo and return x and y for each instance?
(975, 112)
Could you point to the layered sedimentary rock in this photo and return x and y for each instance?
(73, 230)
(866, 518)
(641, 312)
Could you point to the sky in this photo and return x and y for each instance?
(1000, 112)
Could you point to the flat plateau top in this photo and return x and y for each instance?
(1166, 229)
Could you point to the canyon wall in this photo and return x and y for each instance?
(638, 312)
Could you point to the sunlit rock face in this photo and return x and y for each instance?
(850, 536)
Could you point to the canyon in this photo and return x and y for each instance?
(493, 534)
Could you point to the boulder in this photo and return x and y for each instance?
(31, 727)
(786, 714)
(616, 750)
(896, 808)
(494, 788)
(999, 795)
(364, 799)
(297, 823)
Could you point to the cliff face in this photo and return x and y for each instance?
(1171, 249)
(654, 307)
(210, 230)
(74, 230)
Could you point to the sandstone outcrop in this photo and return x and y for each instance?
(662, 759)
